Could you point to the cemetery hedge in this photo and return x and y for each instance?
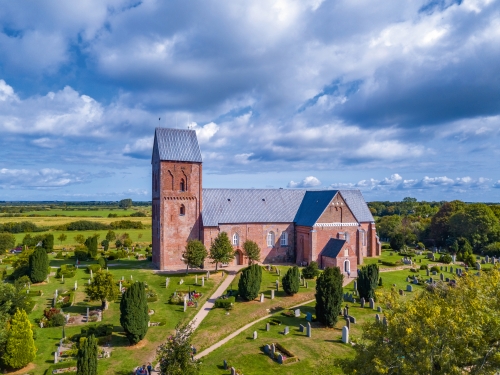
(225, 303)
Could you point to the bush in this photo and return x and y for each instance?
(424, 267)
(81, 254)
(225, 303)
(291, 281)
(311, 270)
(138, 214)
(445, 258)
(98, 330)
(61, 365)
(435, 269)
(390, 264)
(93, 267)
(386, 246)
(57, 320)
(66, 270)
(249, 283)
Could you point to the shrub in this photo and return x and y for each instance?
(435, 269)
(225, 303)
(311, 270)
(424, 267)
(386, 246)
(152, 296)
(329, 296)
(57, 320)
(81, 254)
(93, 267)
(20, 347)
(367, 281)
(445, 258)
(390, 264)
(66, 270)
(98, 330)
(102, 262)
(291, 281)
(249, 283)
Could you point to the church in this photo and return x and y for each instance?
(331, 227)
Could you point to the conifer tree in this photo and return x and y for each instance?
(87, 357)
(249, 283)
(20, 349)
(91, 244)
(48, 242)
(291, 281)
(329, 296)
(38, 265)
(134, 315)
(368, 281)
(221, 250)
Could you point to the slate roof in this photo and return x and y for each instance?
(177, 145)
(279, 206)
(332, 248)
(223, 206)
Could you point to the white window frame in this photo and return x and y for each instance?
(284, 238)
(236, 239)
(270, 239)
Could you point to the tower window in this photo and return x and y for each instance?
(183, 185)
(182, 211)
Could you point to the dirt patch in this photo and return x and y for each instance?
(141, 344)
(24, 370)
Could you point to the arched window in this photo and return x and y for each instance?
(270, 239)
(183, 185)
(182, 211)
(284, 238)
(236, 239)
(347, 266)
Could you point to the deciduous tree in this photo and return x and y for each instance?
(134, 315)
(329, 296)
(7, 242)
(252, 251)
(221, 250)
(195, 254)
(62, 237)
(102, 288)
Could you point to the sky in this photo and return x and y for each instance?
(397, 99)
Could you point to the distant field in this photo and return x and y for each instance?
(49, 221)
(82, 212)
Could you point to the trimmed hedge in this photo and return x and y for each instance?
(225, 303)
(57, 366)
(66, 270)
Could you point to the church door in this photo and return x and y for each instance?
(238, 258)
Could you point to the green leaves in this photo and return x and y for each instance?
(329, 296)
(195, 253)
(221, 250)
(368, 281)
(249, 283)
(252, 250)
(87, 357)
(291, 281)
(38, 265)
(134, 315)
(20, 349)
(102, 288)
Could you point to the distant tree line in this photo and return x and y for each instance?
(21, 227)
(95, 225)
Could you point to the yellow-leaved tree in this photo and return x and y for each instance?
(442, 330)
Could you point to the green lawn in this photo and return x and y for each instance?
(80, 212)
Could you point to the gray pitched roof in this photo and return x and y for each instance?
(357, 204)
(250, 205)
(332, 248)
(313, 205)
(177, 145)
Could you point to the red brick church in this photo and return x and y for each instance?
(331, 227)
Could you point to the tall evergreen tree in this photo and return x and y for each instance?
(134, 315)
(291, 281)
(87, 357)
(195, 254)
(91, 245)
(368, 281)
(20, 349)
(329, 296)
(48, 242)
(252, 251)
(221, 250)
(38, 265)
(249, 283)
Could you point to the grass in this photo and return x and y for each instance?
(80, 212)
(124, 357)
(218, 325)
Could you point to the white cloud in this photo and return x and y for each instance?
(39, 179)
(142, 147)
(205, 132)
(308, 182)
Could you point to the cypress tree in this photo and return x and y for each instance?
(87, 357)
(91, 244)
(367, 281)
(48, 242)
(329, 296)
(249, 283)
(291, 281)
(38, 265)
(134, 315)
(20, 348)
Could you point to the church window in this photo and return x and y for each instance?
(270, 239)
(363, 238)
(182, 211)
(183, 185)
(284, 238)
(236, 239)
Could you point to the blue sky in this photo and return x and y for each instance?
(401, 99)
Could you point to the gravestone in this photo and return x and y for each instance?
(453, 258)
(379, 309)
(280, 359)
(297, 313)
(308, 329)
(441, 276)
(120, 286)
(196, 279)
(255, 335)
(268, 327)
(286, 331)
(309, 317)
(440, 268)
(88, 314)
(76, 285)
(384, 321)
(267, 349)
(345, 335)
(208, 275)
(301, 328)
(88, 281)
(185, 303)
(262, 297)
(273, 350)
(131, 278)
(307, 285)
(277, 285)
(447, 279)
(233, 371)
(225, 362)
(352, 319)
(407, 279)
(427, 272)
(362, 302)
(345, 312)
(272, 293)
(409, 288)
(55, 356)
(377, 318)
(478, 266)
(372, 303)
(434, 273)
(91, 274)
(62, 279)
(401, 293)
(348, 322)
(451, 269)
(203, 281)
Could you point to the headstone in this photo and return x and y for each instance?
(441, 276)
(255, 335)
(409, 288)
(88, 281)
(427, 272)
(446, 269)
(185, 303)
(91, 274)
(55, 294)
(451, 269)
(408, 279)
(308, 330)
(225, 362)
(348, 322)
(345, 312)
(208, 275)
(123, 278)
(262, 297)
(297, 313)
(379, 309)
(384, 321)
(286, 331)
(272, 293)
(352, 319)
(362, 302)
(55, 356)
(268, 327)
(377, 318)
(434, 273)
(372, 303)
(203, 281)
(440, 268)
(478, 266)
(233, 371)
(131, 278)
(62, 279)
(277, 285)
(273, 350)
(280, 359)
(454, 258)
(307, 285)
(447, 279)
(196, 279)
(401, 293)
(120, 286)
(87, 314)
(345, 335)
(309, 317)
(76, 285)
(301, 328)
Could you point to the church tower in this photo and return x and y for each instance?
(177, 195)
